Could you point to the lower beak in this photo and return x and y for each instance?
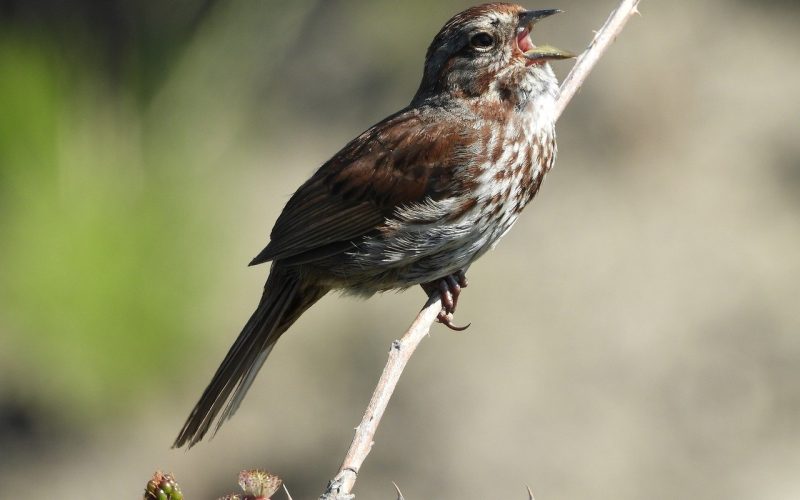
(546, 52)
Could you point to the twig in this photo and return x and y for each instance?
(339, 487)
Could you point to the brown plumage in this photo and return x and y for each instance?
(415, 199)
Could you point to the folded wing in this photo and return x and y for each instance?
(393, 165)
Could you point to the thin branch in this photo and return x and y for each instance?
(339, 487)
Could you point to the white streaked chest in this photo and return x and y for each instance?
(522, 151)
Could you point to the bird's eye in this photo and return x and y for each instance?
(482, 41)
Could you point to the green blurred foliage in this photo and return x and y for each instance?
(95, 282)
(115, 120)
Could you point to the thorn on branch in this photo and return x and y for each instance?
(399, 493)
(334, 491)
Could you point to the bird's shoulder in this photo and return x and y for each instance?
(406, 157)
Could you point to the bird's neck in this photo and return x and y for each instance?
(516, 90)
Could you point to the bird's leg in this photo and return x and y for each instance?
(449, 289)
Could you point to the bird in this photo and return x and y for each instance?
(413, 200)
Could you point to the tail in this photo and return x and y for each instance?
(283, 301)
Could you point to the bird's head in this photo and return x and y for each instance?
(487, 51)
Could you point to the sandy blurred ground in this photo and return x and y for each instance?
(635, 335)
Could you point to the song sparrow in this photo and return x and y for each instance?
(415, 199)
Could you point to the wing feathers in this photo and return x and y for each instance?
(395, 164)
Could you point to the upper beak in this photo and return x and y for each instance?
(526, 21)
(530, 17)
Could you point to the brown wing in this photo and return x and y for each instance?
(402, 160)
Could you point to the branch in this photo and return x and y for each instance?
(339, 487)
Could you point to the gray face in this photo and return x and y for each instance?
(470, 51)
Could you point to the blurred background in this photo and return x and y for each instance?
(635, 336)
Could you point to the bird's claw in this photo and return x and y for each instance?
(447, 320)
(449, 289)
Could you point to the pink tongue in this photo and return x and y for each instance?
(524, 41)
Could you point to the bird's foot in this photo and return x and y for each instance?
(449, 289)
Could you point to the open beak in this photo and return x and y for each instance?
(531, 52)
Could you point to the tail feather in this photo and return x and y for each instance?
(285, 298)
